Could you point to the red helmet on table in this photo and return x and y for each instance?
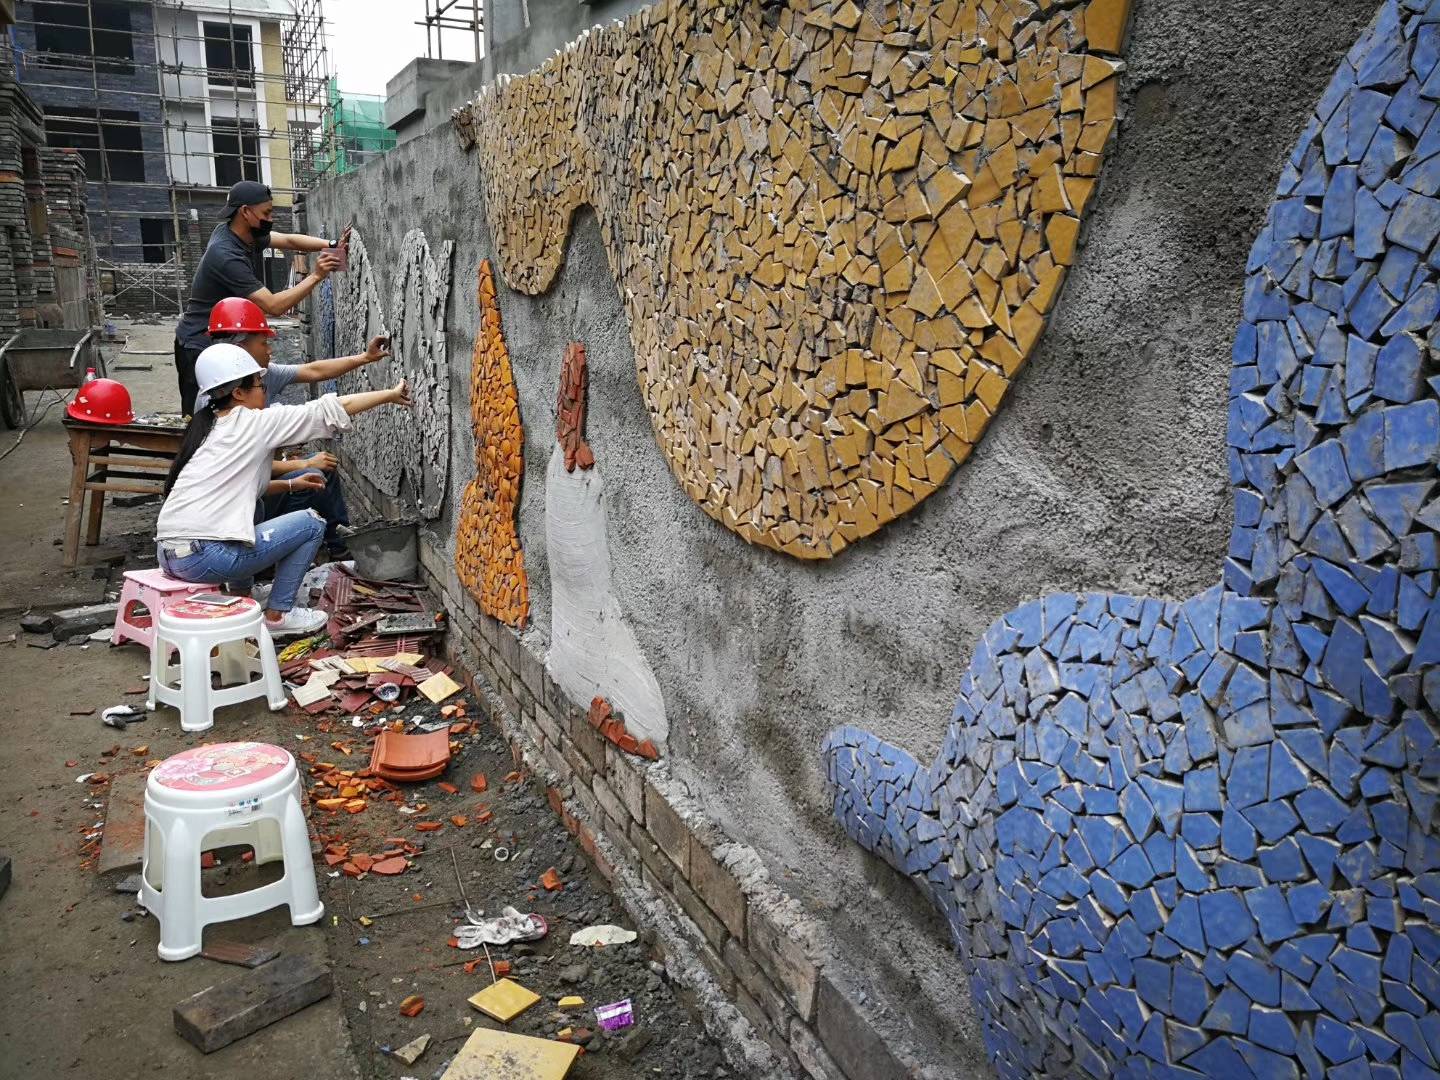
(236, 315)
(102, 401)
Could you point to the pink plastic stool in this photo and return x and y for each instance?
(149, 588)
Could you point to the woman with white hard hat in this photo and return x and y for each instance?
(206, 532)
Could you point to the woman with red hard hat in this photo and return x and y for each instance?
(102, 401)
(206, 531)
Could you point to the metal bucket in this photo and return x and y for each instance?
(386, 551)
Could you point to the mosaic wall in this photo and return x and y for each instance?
(837, 231)
(324, 319)
(373, 443)
(594, 655)
(420, 297)
(487, 547)
(389, 445)
(1200, 838)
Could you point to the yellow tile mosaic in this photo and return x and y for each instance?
(836, 229)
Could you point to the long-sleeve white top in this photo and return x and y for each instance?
(214, 495)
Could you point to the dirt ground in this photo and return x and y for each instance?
(86, 995)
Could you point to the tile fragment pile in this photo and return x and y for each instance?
(354, 662)
(837, 229)
(1203, 838)
(488, 558)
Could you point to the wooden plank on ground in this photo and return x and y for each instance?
(240, 953)
(219, 1015)
(123, 843)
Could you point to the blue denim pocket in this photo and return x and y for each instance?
(209, 562)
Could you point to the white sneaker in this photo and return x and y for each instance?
(297, 620)
(344, 532)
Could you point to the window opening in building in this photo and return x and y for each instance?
(123, 157)
(157, 239)
(237, 151)
(228, 55)
(63, 36)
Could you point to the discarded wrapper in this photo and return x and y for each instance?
(509, 926)
(118, 716)
(616, 1015)
(411, 1050)
(603, 934)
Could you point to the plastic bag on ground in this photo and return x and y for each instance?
(603, 934)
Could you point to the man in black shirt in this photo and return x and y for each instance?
(231, 267)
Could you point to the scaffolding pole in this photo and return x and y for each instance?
(173, 79)
(442, 15)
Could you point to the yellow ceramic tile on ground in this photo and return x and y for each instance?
(492, 1055)
(438, 687)
(504, 999)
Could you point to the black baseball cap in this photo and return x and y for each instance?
(245, 193)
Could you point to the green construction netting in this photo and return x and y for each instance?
(354, 133)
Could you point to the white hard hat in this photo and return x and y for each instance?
(220, 364)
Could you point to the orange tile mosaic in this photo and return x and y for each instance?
(488, 558)
(570, 409)
(837, 229)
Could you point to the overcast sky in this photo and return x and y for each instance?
(371, 40)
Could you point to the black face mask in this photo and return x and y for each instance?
(261, 229)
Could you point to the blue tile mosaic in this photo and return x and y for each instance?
(1203, 839)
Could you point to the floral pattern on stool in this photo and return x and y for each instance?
(219, 766)
(195, 609)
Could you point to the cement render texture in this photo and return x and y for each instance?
(1103, 471)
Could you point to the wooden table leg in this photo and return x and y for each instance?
(80, 466)
(97, 500)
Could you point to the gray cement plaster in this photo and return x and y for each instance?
(1104, 470)
(593, 651)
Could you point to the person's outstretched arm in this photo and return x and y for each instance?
(279, 303)
(285, 425)
(320, 370)
(399, 394)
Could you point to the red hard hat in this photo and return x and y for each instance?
(236, 315)
(102, 401)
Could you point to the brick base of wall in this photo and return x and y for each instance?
(763, 970)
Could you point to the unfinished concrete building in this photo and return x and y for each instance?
(169, 103)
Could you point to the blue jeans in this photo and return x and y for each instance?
(287, 543)
(329, 502)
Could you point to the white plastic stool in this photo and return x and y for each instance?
(148, 589)
(220, 795)
(194, 630)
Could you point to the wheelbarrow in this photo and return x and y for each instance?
(41, 359)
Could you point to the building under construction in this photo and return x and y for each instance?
(170, 102)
